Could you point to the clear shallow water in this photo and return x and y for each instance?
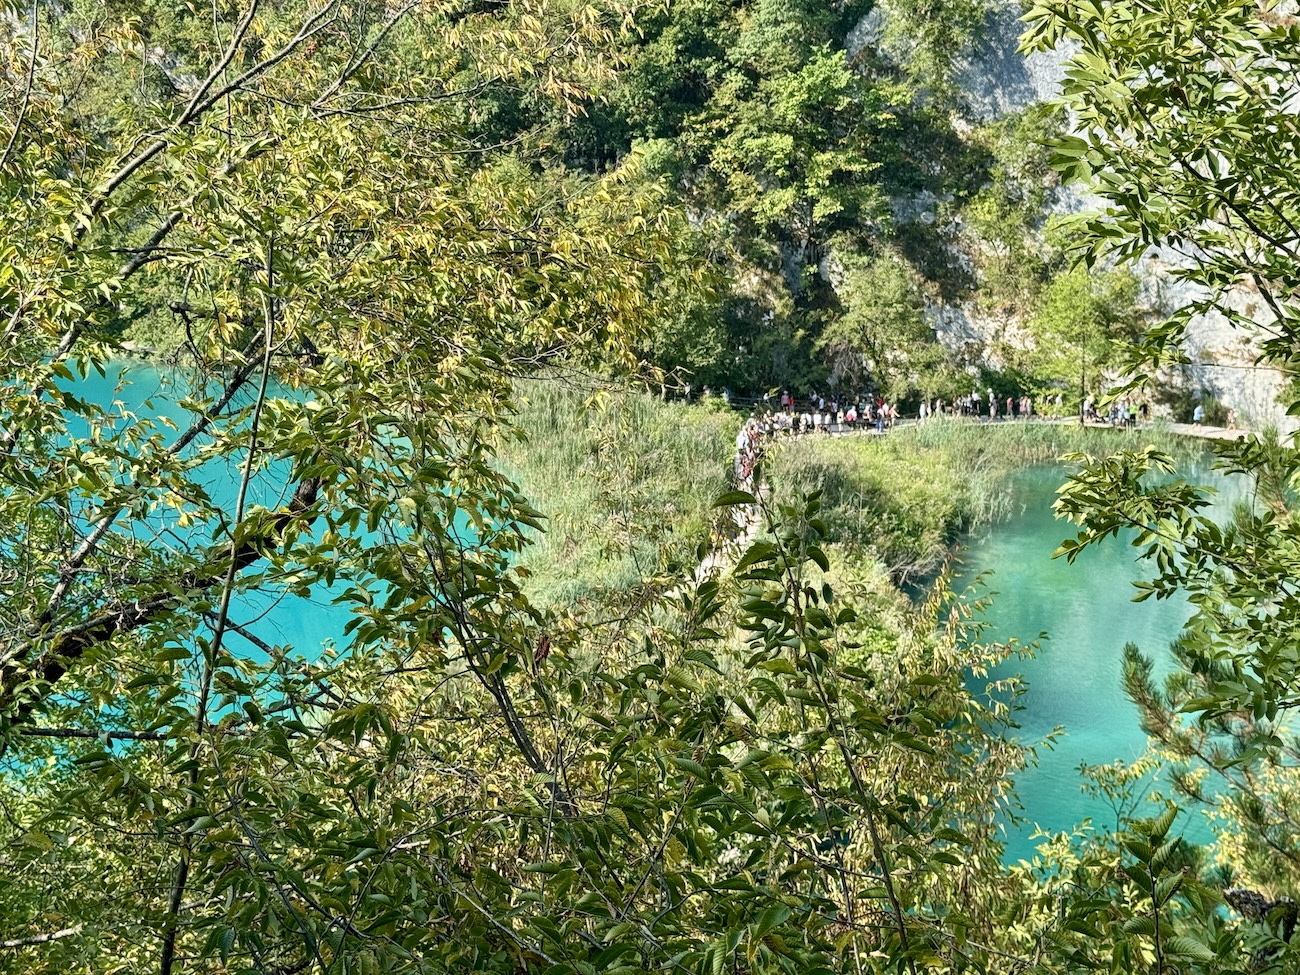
(1086, 611)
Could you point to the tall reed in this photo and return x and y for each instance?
(626, 481)
(904, 498)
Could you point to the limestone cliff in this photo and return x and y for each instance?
(996, 80)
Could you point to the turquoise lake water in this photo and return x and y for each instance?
(1087, 613)
(1074, 681)
(135, 391)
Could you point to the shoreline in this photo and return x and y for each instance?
(1199, 431)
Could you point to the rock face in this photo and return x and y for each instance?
(997, 80)
(1224, 357)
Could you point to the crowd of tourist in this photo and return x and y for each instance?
(817, 413)
(785, 415)
(821, 414)
(1121, 413)
(788, 416)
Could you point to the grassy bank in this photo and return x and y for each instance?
(903, 499)
(626, 481)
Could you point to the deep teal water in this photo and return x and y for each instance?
(1087, 614)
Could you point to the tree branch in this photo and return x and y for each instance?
(27, 86)
(20, 676)
(92, 733)
(107, 516)
(40, 939)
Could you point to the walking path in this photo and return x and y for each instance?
(748, 519)
(1182, 429)
(1205, 432)
(1208, 433)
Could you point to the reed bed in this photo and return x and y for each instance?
(627, 483)
(905, 498)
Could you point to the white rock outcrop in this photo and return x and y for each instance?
(996, 80)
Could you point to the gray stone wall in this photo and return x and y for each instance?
(996, 80)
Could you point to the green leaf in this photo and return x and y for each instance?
(1189, 947)
(689, 765)
(770, 919)
(734, 498)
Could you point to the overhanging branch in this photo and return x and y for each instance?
(40, 939)
(92, 733)
(30, 671)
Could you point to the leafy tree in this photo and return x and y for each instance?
(1082, 324)
(777, 768)
(1003, 220)
(884, 337)
(1234, 674)
(929, 39)
(1183, 120)
(467, 780)
(783, 148)
(782, 145)
(1184, 126)
(1242, 766)
(356, 280)
(722, 770)
(766, 129)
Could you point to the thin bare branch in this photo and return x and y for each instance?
(40, 939)
(93, 733)
(27, 86)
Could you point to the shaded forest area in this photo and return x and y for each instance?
(838, 191)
